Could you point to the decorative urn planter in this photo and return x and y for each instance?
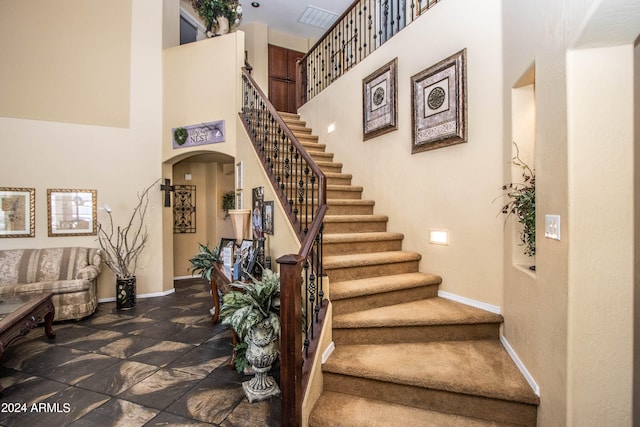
(263, 348)
(125, 293)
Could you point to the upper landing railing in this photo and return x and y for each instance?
(363, 28)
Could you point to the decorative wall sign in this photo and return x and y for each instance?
(201, 134)
(17, 212)
(184, 209)
(72, 212)
(379, 94)
(439, 104)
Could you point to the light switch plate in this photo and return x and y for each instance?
(552, 227)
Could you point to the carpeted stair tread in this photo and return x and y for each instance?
(339, 202)
(355, 218)
(429, 311)
(376, 258)
(382, 284)
(361, 237)
(477, 367)
(344, 187)
(344, 410)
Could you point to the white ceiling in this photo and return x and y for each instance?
(283, 15)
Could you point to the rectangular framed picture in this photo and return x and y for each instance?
(267, 217)
(379, 101)
(17, 212)
(439, 104)
(257, 202)
(225, 251)
(72, 212)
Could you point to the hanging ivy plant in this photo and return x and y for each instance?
(228, 202)
(180, 135)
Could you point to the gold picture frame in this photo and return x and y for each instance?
(379, 101)
(72, 212)
(439, 104)
(17, 212)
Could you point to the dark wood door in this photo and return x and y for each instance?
(282, 77)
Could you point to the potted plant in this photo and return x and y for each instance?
(253, 312)
(202, 262)
(220, 16)
(122, 245)
(522, 204)
(228, 202)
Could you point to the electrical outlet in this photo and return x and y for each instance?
(552, 227)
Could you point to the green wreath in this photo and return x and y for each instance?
(180, 135)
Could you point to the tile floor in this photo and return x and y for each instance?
(162, 363)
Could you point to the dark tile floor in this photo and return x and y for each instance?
(162, 363)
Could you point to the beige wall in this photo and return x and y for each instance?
(571, 321)
(118, 159)
(201, 84)
(601, 268)
(449, 188)
(636, 176)
(51, 73)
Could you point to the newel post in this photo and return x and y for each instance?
(291, 339)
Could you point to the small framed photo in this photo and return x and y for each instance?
(267, 224)
(17, 212)
(246, 248)
(225, 253)
(379, 101)
(72, 212)
(439, 104)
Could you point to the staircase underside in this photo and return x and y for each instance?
(403, 356)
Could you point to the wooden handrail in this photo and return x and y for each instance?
(291, 266)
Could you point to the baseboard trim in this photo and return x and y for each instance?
(142, 296)
(185, 277)
(468, 301)
(520, 365)
(327, 352)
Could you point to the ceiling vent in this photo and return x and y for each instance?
(317, 17)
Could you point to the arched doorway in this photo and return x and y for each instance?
(202, 178)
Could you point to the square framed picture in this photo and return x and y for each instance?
(439, 104)
(72, 212)
(17, 212)
(379, 101)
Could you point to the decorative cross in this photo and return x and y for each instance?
(167, 188)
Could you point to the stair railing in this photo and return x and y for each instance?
(301, 190)
(359, 31)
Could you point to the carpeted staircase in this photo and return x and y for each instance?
(403, 356)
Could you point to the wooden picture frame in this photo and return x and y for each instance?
(72, 212)
(379, 101)
(439, 104)
(17, 212)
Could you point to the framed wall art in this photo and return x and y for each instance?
(17, 212)
(267, 217)
(379, 105)
(72, 212)
(439, 104)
